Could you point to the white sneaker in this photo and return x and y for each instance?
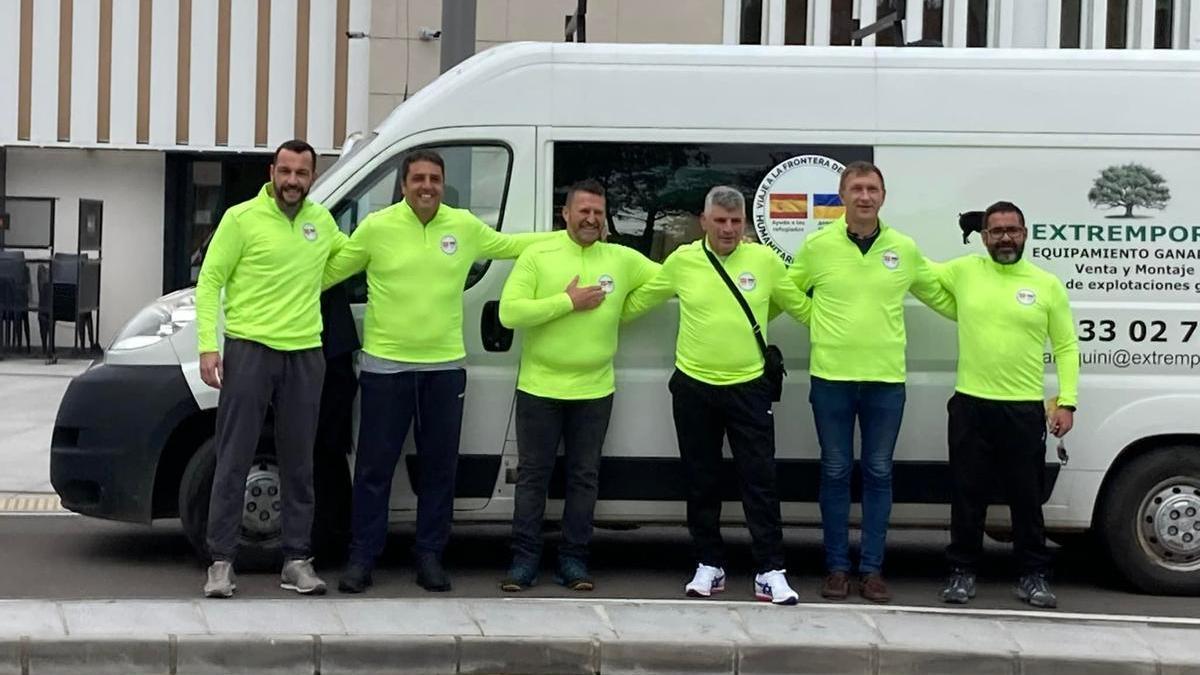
(708, 580)
(773, 587)
(220, 582)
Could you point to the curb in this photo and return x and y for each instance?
(355, 655)
(530, 637)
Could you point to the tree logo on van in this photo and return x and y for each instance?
(798, 196)
(1129, 186)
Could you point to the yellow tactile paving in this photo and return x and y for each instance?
(30, 503)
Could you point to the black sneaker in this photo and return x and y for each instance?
(960, 588)
(430, 574)
(573, 573)
(355, 579)
(1035, 590)
(520, 577)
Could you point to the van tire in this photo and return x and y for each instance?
(331, 520)
(1143, 498)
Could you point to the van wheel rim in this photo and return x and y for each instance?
(1169, 524)
(263, 504)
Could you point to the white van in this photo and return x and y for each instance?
(1098, 148)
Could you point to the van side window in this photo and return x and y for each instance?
(476, 179)
(656, 190)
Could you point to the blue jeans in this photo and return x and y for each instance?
(879, 408)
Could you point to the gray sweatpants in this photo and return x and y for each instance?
(290, 382)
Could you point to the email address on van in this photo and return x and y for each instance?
(1123, 358)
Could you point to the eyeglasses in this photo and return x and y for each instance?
(1002, 232)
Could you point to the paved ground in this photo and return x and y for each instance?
(71, 557)
(30, 392)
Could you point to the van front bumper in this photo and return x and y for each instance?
(112, 426)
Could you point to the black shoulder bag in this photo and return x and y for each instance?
(773, 368)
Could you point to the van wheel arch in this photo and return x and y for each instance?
(261, 551)
(1135, 501)
(179, 449)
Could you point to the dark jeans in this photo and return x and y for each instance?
(997, 449)
(879, 408)
(389, 404)
(704, 415)
(290, 382)
(542, 423)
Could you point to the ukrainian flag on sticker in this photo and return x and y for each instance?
(828, 207)
(787, 205)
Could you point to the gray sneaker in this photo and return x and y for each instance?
(1035, 590)
(960, 588)
(298, 575)
(220, 583)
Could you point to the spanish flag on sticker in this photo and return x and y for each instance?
(828, 207)
(786, 205)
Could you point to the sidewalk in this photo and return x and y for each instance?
(331, 636)
(30, 392)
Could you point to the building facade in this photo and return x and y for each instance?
(167, 110)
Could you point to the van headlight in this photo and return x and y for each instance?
(158, 320)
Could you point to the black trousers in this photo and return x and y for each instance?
(388, 406)
(704, 415)
(290, 382)
(542, 423)
(997, 454)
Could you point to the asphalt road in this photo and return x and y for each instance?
(72, 557)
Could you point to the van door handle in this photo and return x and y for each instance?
(496, 337)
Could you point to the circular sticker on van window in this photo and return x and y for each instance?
(891, 259)
(449, 245)
(1026, 296)
(796, 198)
(310, 231)
(746, 281)
(606, 283)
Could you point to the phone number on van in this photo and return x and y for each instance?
(1107, 330)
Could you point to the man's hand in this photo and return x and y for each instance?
(1061, 421)
(584, 297)
(211, 370)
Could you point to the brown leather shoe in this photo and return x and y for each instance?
(836, 586)
(873, 588)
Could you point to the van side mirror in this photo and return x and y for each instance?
(971, 221)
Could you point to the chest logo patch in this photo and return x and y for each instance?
(746, 281)
(606, 283)
(891, 259)
(310, 231)
(1026, 296)
(449, 245)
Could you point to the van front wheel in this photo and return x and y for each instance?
(1151, 521)
(260, 536)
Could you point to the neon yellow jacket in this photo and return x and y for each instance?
(567, 354)
(857, 328)
(415, 278)
(716, 344)
(1005, 315)
(270, 268)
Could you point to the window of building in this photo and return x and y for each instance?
(841, 22)
(977, 23)
(795, 26)
(655, 191)
(1069, 25)
(932, 19)
(752, 22)
(1117, 30)
(1164, 23)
